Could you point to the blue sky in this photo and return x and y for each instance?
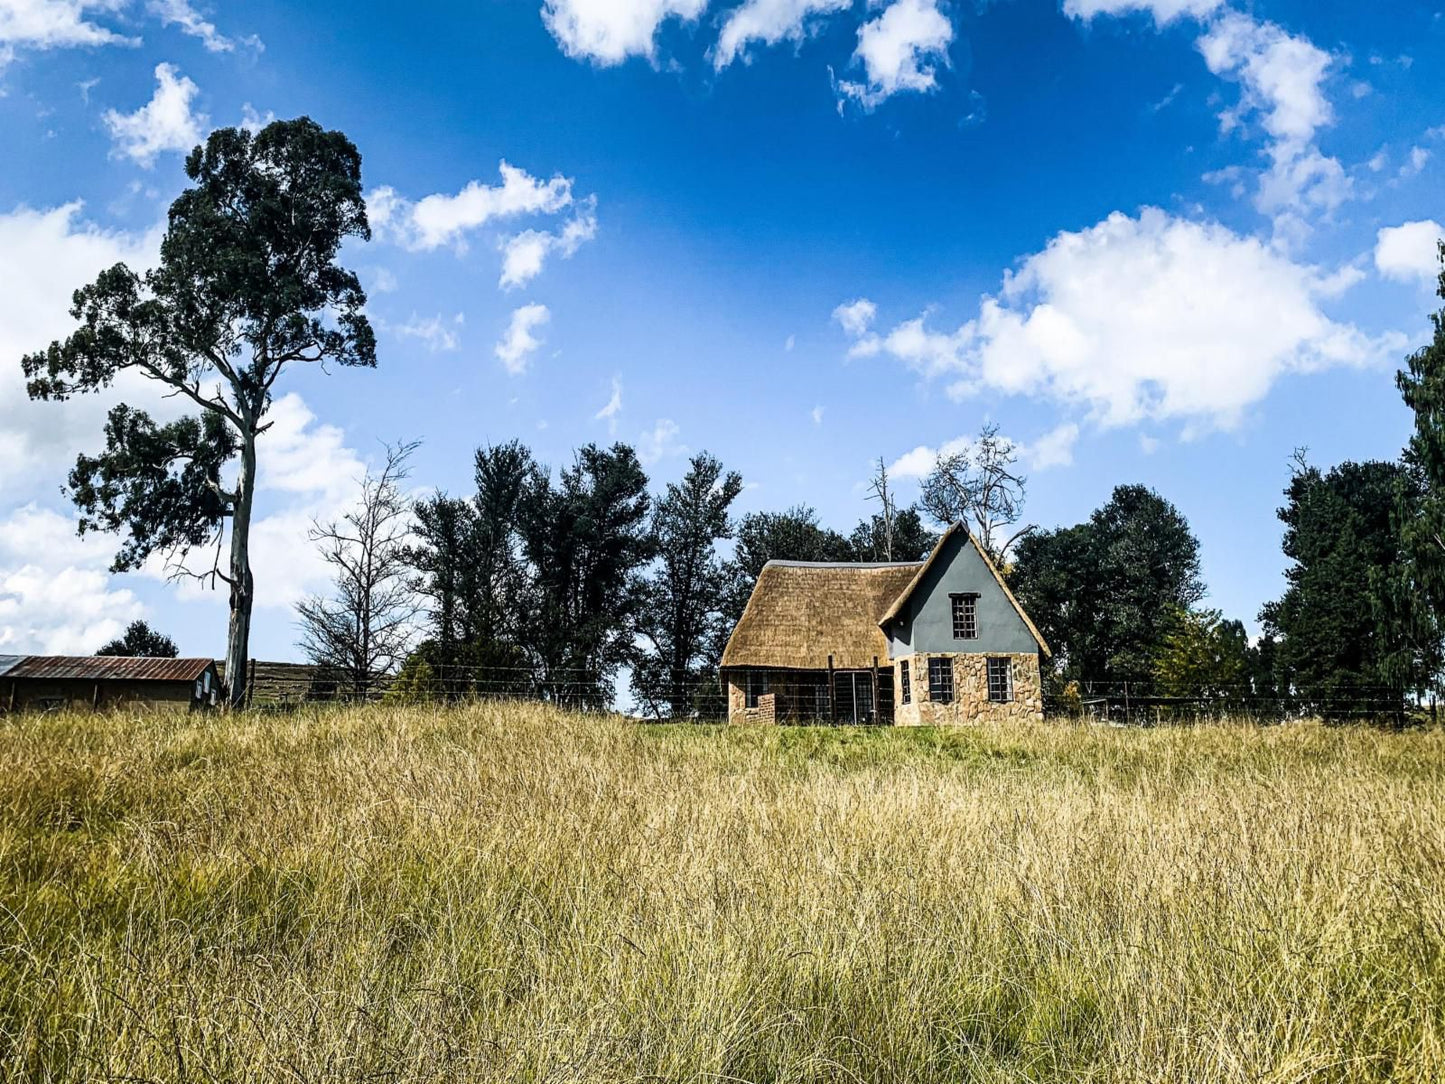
(1164, 241)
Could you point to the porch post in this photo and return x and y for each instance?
(832, 696)
(875, 688)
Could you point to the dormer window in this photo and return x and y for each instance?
(965, 617)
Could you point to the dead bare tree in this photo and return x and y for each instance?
(363, 630)
(878, 491)
(980, 486)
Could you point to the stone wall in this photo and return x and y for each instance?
(739, 712)
(970, 691)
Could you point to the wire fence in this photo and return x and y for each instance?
(808, 697)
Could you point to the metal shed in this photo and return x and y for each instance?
(96, 682)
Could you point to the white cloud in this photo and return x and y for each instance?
(1415, 163)
(612, 408)
(436, 333)
(524, 254)
(856, 316)
(165, 123)
(438, 219)
(659, 443)
(519, 344)
(897, 50)
(1154, 317)
(180, 13)
(1282, 78)
(44, 256)
(769, 22)
(1163, 11)
(1054, 449)
(609, 31)
(55, 24)
(817, 415)
(1410, 252)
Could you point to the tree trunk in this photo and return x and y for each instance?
(243, 590)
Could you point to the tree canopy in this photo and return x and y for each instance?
(141, 641)
(247, 285)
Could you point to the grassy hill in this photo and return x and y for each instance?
(502, 892)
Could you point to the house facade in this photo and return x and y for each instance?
(931, 643)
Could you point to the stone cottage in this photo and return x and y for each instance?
(921, 643)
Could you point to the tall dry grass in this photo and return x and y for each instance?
(506, 893)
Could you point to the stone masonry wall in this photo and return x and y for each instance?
(739, 712)
(970, 692)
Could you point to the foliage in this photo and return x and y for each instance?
(141, 641)
(1412, 594)
(247, 286)
(1333, 651)
(361, 631)
(682, 614)
(1105, 593)
(510, 892)
(1204, 656)
(981, 487)
(587, 542)
(911, 540)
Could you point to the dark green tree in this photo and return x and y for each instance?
(587, 542)
(682, 617)
(794, 535)
(141, 641)
(1106, 593)
(911, 540)
(1334, 652)
(1412, 594)
(247, 286)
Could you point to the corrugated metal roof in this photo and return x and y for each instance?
(7, 662)
(107, 668)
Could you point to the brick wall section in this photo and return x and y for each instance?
(738, 711)
(970, 704)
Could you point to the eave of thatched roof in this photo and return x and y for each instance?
(800, 613)
(892, 613)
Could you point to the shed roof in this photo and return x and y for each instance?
(7, 662)
(800, 613)
(108, 668)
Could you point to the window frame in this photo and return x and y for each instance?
(941, 679)
(965, 624)
(905, 683)
(1004, 665)
(751, 693)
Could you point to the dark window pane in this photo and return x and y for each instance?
(940, 681)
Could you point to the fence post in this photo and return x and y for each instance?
(250, 683)
(832, 695)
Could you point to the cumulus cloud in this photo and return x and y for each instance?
(1135, 319)
(165, 123)
(659, 443)
(607, 32)
(1163, 11)
(1282, 79)
(899, 50)
(856, 316)
(439, 219)
(524, 254)
(44, 256)
(54, 24)
(180, 13)
(769, 22)
(1410, 252)
(1054, 449)
(517, 346)
(437, 333)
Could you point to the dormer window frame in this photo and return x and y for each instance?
(964, 610)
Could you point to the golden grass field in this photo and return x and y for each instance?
(503, 892)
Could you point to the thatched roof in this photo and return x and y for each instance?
(801, 612)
